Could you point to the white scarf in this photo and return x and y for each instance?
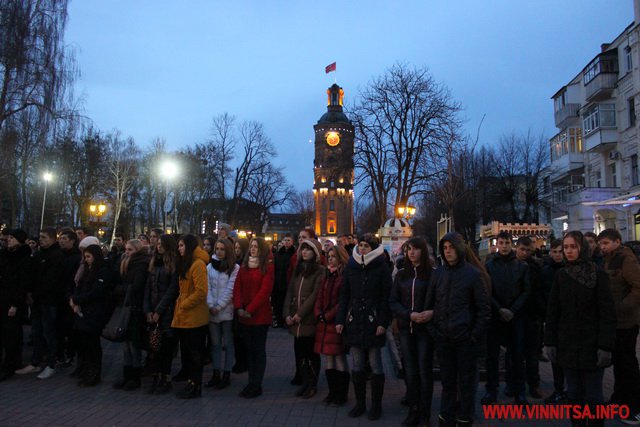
(366, 259)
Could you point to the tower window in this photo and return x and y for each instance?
(332, 205)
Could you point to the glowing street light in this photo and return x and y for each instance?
(169, 170)
(47, 176)
(406, 211)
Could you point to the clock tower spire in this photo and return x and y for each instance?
(333, 168)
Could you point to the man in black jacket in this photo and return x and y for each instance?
(281, 265)
(459, 317)
(68, 241)
(47, 293)
(511, 289)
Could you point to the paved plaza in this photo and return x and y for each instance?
(58, 401)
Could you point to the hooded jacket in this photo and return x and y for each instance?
(47, 276)
(301, 299)
(364, 299)
(160, 295)
(623, 270)
(458, 298)
(408, 296)
(510, 283)
(15, 276)
(91, 295)
(191, 306)
(220, 294)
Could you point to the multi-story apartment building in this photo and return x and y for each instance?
(593, 181)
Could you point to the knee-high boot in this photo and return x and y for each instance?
(377, 390)
(359, 379)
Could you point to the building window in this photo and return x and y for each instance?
(635, 179)
(601, 115)
(599, 65)
(332, 227)
(598, 179)
(332, 205)
(631, 104)
(614, 175)
(628, 58)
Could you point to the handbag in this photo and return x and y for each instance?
(116, 328)
(154, 338)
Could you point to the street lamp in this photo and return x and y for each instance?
(47, 177)
(169, 171)
(98, 210)
(406, 211)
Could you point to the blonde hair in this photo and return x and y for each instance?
(124, 264)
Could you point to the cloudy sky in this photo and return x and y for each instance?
(164, 69)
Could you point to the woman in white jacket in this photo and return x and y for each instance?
(222, 272)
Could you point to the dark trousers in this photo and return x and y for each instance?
(163, 358)
(192, 340)
(532, 350)
(238, 346)
(303, 349)
(584, 386)
(417, 355)
(277, 302)
(459, 376)
(65, 333)
(10, 340)
(626, 388)
(510, 334)
(43, 328)
(255, 346)
(89, 347)
(558, 377)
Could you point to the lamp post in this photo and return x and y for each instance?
(406, 212)
(47, 177)
(169, 171)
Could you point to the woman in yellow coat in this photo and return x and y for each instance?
(191, 316)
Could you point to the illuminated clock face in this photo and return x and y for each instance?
(333, 138)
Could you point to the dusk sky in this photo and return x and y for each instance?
(164, 69)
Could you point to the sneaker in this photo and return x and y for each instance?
(47, 373)
(29, 369)
(556, 397)
(633, 420)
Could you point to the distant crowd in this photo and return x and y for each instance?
(212, 301)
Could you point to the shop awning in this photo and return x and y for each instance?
(632, 198)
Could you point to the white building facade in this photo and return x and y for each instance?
(593, 181)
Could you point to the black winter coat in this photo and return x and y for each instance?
(92, 295)
(407, 296)
(536, 304)
(282, 259)
(136, 279)
(548, 274)
(460, 304)
(510, 284)
(580, 320)
(161, 283)
(71, 262)
(15, 277)
(364, 300)
(48, 287)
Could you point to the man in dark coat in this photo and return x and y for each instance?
(460, 316)
(47, 293)
(621, 265)
(15, 270)
(68, 241)
(281, 263)
(511, 288)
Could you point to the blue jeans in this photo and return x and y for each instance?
(417, 351)
(43, 328)
(584, 386)
(221, 336)
(359, 359)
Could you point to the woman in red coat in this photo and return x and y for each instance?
(251, 300)
(328, 341)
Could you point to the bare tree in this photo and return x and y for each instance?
(223, 143)
(301, 202)
(122, 173)
(404, 120)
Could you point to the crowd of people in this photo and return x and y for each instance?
(213, 301)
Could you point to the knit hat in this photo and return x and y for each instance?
(88, 241)
(18, 234)
(313, 244)
(371, 240)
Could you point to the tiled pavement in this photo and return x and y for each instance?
(58, 401)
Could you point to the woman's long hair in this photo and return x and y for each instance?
(228, 264)
(244, 249)
(578, 237)
(124, 265)
(263, 254)
(169, 257)
(341, 254)
(91, 271)
(306, 268)
(471, 257)
(184, 261)
(425, 267)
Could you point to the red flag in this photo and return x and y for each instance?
(329, 68)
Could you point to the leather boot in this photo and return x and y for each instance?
(330, 375)
(164, 386)
(126, 375)
(297, 378)
(413, 417)
(191, 391)
(311, 380)
(215, 379)
(134, 382)
(359, 379)
(342, 388)
(304, 377)
(225, 381)
(377, 390)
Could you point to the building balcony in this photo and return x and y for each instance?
(596, 194)
(601, 87)
(601, 139)
(567, 115)
(565, 165)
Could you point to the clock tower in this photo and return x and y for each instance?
(333, 169)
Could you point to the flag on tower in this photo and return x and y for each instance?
(329, 68)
